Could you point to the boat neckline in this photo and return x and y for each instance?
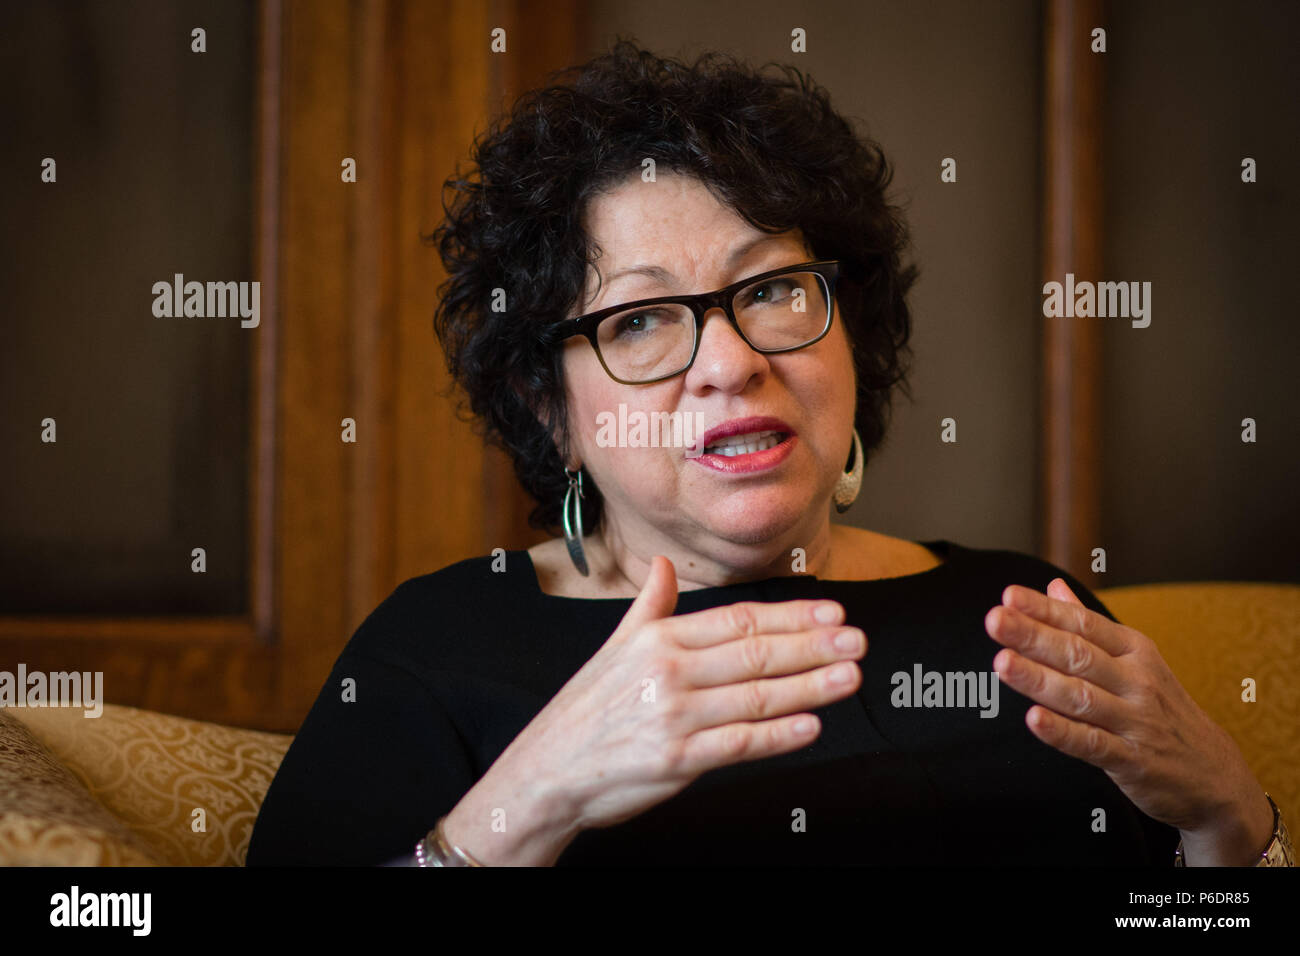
(940, 547)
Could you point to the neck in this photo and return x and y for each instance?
(621, 561)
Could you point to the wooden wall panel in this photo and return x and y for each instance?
(544, 39)
(1072, 242)
(403, 87)
(317, 350)
(439, 466)
(348, 298)
(215, 667)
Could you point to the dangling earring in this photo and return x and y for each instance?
(574, 541)
(850, 483)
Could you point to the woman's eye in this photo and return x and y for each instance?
(770, 292)
(638, 322)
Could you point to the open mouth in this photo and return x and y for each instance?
(747, 444)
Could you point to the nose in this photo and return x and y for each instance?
(724, 360)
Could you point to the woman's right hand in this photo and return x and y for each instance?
(664, 700)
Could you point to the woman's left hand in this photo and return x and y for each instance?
(1105, 695)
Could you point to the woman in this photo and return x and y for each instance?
(684, 676)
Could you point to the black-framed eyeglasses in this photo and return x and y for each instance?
(650, 340)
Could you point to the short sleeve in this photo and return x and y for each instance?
(365, 778)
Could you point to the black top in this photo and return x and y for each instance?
(453, 665)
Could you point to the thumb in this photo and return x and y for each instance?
(658, 597)
(1063, 592)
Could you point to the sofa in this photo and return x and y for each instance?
(139, 788)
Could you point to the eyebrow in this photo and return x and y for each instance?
(660, 274)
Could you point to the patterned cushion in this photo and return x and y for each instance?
(47, 818)
(1213, 635)
(153, 772)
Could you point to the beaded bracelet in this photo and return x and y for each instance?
(434, 850)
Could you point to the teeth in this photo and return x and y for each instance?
(746, 444)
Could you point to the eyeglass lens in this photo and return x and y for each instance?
(656, 340)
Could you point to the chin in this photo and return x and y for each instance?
(749, 522)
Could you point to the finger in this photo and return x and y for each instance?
(657, 598)
(772, 697)
(1075, 739)
(772, 655)
(739, 742)
(1068, 696)
(1100, 630)
(745, 618)
(1057, 588)
(1060, 650)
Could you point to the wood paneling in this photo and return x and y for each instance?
(418, 490)
(348, 293)
(542, 40)
(403, 87)
(216, 667)
(266, 166)
(1072, 242)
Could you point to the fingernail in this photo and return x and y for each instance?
(827, 613)
(847, 640)
(842, 674)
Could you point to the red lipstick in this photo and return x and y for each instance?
(743, 463)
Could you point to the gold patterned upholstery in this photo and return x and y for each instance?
(47, 818)
(1213, 635)
(151, 771)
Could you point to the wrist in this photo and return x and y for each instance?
(1235, 837)
(506, 820)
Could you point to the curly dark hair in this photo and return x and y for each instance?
(770, 147)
